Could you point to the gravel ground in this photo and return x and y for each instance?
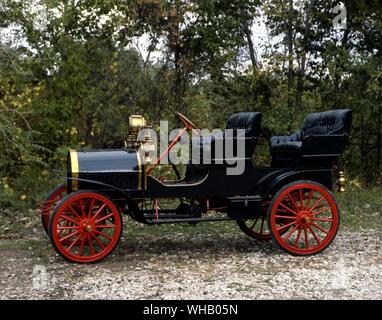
(202, 266)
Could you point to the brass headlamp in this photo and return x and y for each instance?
(136, 123)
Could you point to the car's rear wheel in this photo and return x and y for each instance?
(256, 228)
(50, 203)
(312, 214)
(95, 230)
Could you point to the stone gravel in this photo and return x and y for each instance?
(177, 266)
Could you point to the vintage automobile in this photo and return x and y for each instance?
(290, 201)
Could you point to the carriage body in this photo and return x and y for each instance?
(300, 173)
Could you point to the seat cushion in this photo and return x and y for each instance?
(249, 121)
(287, 147)
(328, 122)
(276, 140)
(285, 144)
(204, 147)
(285, 150)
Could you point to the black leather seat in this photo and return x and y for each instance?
(323, 135)
(204, 148)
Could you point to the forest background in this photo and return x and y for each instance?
(72, 71)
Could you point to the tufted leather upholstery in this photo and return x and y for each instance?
(249, 121)
(328, 122)
(286, 149)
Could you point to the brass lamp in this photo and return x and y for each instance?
(341, 181)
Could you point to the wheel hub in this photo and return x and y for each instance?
(304, 218)
(86, 226)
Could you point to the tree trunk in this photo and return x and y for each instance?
(252, 53)
(302, 67)
(178, 77)
(290, 51)
(89, 129)
(363, 147)
(379, 143)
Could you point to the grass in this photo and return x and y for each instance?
(360, 209)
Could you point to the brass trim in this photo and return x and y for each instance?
(139, 171)
(74, 169)
(341, 181)
(145, 175)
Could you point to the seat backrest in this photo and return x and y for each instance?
(327, 123)
(249, 121)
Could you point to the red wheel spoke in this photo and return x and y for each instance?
(103, 234)
(105, 217)
(297, 237)
(288, 209)
(69, 235)
(317, 203)
(309, 199)
(286, 226)
(257, 219)
(75, 212)
(306, 238)
(321, 211)
(293, 202)
(90, 245)
(105, 226)
(91, 208)
(99, 243)
(301, 200)
(282, 211)
(82, 208)
(322, 219)
(99, 210)
(73, 243)
(66, 228)
(314, 235)
(319, 228)
(81, 246)
(70, 219)
(290, 233)
(286, 217)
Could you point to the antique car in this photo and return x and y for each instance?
(290, 201)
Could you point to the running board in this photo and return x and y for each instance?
(189, 220)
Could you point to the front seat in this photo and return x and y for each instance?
(204, 148)
(322, 138)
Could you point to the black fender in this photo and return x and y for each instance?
(116, 194)
(272, 184)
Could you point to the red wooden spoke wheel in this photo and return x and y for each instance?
(95, 230)
(256, 228)
(50, 203)
(313, 218)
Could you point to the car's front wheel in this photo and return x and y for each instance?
(94, 230)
